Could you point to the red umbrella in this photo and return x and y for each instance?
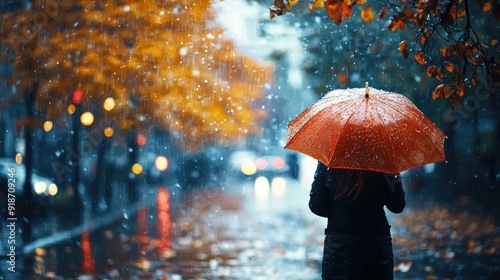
(366, 129)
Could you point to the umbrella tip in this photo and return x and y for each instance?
(366, 93)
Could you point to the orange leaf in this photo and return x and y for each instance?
(494, 42)
(448, 91)
(458, 79)
(382, 13)
(334, 10)
(461, 13)
(401, 25)
(455, 102)
(447, 51)
(461, 89)
(279, 8)
(432, 71)
(450, 67)
(402, 48)
(440, 75)
(421, 19)
(346, 10)
(474, 80)
(423, 39)
(396, 23)
(312, 8)
(420, 57)
(408, 13)
(486, 6)
(438, 92)
(367, 14)
(319, 3)
(342, 78)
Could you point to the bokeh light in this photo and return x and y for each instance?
(19, 158)
(261, 187)
(137, 168)
(141, 139)
(52, 189)
(71, 109)
(278, 186)
(109, 131)
(125, 123)
(40, 187)
(161, 163)
(248, 168)
(279, 163)
(77, 96)
(47, 126)
(261, 163)
(109, 104)
(87, 118)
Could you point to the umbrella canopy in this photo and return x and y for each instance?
(366, 129)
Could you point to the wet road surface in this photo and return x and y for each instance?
(258, 231)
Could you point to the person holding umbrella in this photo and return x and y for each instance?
(358, 242)
(362, 138)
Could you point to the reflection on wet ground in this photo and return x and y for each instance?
(258, 231)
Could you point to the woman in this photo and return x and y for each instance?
(358, 242)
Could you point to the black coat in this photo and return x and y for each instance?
(358, 237)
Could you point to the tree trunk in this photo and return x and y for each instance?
(28, 201)
(77, 198)
(99, 181)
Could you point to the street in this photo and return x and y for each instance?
(257, 230)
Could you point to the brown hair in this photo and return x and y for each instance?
(349, 182)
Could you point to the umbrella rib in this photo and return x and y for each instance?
(415, 125)
(411, 120)
(347, 121)
(385, 126)
(303, 125)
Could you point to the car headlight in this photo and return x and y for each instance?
(248, 168)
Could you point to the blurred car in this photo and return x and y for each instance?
(42, 186)
(252, 164)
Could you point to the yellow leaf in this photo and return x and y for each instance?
(367, 14)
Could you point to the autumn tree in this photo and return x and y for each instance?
(445, 51)
(133, 65)
(442, 34)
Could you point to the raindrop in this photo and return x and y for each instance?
(213, 264)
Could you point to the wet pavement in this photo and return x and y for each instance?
(250, 230)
